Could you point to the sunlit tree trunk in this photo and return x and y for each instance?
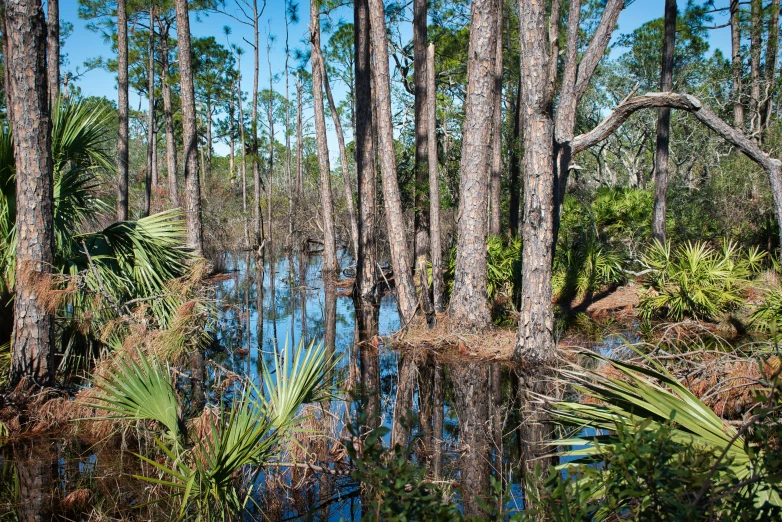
(434, 187)
(53, 50)
(366, 160)
(168, 116)
(664, 126)
(150, 113)
(420, 204)
(772, 50)
(270, 178)
(330, 264)
(736, 65)
(469, 305)
(258, 231)
(192, 186)
(123, 110)
(756, 36)
(496, 139)
(25, 69)
(514, 184)
(299, 139)
(343, 158)
(400, 258)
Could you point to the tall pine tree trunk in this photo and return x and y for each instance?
(469, 305)
(664, 126)
(168, 116)
(756, 36)
(421, 204)
(496, 143)
(366, 160)
(53, 50)
(736, 65)
(258, 226)
(150, 114)
(123, 110)
(770, 71)
(330, 264)
(343, 158)
(434, 187)
(514, 184)
(192, 186)
(395, 221)
(25, 70)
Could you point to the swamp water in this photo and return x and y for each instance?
(473, 404)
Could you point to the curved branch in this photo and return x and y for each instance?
(684, 102)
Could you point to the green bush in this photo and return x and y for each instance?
(695, 280)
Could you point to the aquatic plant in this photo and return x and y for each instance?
(695, 280)
(201, 465)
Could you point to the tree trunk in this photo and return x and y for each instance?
(736, 65)
(496, 143)
(272, 137)
(535, 341)
(330, 264)
(150, 113)
(254, 127)
(514, 186)
(420, 203)
(53, 51)
(470, 383)
(664, 126)
(407, 376)
(395, 221)
(25, 69)
(772, 50)
(469, 305)
(756, 29)
(123, 110)
(288, 173)
(366, 160)
(299, 140)
(192, 186)
(208, 147)
(168, 110)
(343, 157)
(434, 187)
(369, 363)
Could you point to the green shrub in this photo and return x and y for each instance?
(695, 280)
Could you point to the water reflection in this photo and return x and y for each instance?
(457, 413)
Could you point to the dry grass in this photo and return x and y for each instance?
(448, 340)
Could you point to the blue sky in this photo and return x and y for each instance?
(84, 44)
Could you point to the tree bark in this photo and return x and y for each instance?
(123, 110)
(330, 264)
(168, 116)
(272, 137)
(772, 50)
(25, 68)
(150, 112)
(407, 376)
(535, 342)
(664, 126)
(299, 140)
(434, 187)
(400, 259)
(736, 65)
(366, 160)
(420, 203)
(53, 51)
(514, 186)
(469, 305)
(192, 186)
(254, 129)
(496, 144)
(343, 158)
(470, 383)
(242, 140)
(756, 15)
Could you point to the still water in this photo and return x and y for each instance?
(458, 406)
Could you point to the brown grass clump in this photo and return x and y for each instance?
(492, 344)
(76, 500)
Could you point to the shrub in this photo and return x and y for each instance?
(695, 280)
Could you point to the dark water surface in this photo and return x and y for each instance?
(472, 405)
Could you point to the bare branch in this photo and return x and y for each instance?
(597, 46)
